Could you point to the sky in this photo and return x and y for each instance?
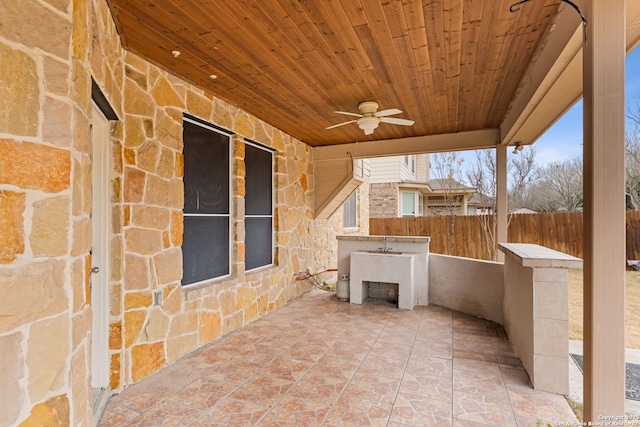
(563, 141)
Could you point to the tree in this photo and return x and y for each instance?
(447, 168)
(560, 186)
(523, 171)
(482, 177)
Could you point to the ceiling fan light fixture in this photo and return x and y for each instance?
(368, 124)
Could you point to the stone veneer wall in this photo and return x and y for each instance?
(48, 59)
(383, 200)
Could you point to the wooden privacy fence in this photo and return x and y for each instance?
(559, 231)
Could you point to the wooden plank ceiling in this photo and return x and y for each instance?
(450, 65)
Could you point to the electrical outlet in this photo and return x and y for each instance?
(157, 298)
(344, 277)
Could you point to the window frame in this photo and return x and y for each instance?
(356, 196)
(271, 151)
(213, 128)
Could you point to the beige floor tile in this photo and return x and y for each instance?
(351, 411)
(489, 410)
(391, 350)
(479, 382)
(319, 388)
(380, 389)
(147, 394)
(421, 411)
(428, 386)
(166, 414)
(375, 365)
(203, 393)
(262, 389)
(292, 411)
(426, 365)
(539, 405)
(318, 361)
(116, 415)
(476, 366)
(231, 412)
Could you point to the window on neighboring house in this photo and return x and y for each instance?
(258, 220)
(351, 211)
(408, 203)
(410, 162)
(205, 245)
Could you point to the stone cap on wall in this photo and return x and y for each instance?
(399, 239)
(530, 255)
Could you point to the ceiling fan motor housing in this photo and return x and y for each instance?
(368, 107)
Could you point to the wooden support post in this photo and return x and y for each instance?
(604, 210)
(501, 197)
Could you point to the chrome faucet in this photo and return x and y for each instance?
(385, 249)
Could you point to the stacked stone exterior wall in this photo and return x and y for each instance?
(49, 58)
(383, 200)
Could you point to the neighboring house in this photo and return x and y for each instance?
(480, 204)
(523, 211)
(400, 186)
(355, 210)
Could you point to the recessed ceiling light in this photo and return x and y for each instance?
(213, 76)
(175, 53)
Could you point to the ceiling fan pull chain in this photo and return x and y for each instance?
(516, 7)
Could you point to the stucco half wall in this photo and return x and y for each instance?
(467, 285)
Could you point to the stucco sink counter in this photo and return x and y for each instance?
(390, 259)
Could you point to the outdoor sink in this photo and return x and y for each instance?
(406, 269)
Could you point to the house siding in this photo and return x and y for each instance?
(45, 214)
(385, 169)
(423, 167)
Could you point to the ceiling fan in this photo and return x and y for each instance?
(370, 117)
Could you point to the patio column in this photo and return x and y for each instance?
(604, 209)
(501, 198)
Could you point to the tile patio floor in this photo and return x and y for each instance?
(319, 361)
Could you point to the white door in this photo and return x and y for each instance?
(100, 249)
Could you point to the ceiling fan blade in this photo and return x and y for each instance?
(348, 113)
(395, 121)
(340, 124)
(389, 112)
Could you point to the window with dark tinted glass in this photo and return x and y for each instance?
(258, 220)
(205, 245)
